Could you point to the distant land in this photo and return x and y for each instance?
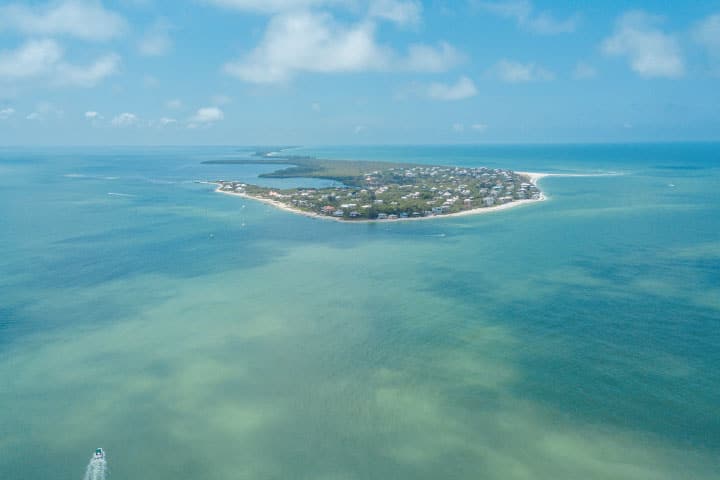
(377, 191)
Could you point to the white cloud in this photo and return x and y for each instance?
(516, 72)
(311, 42)
(458, 127)
(125, 119)
(397, 11)
(44, 110)
(401, 12)
(174, 104)
(426, 58)
(92, 115)
(359, 129)
(88, 75)
(6, 113)
(87, 20)
(463, 88)
(207, 115)
(43, 58)
(479, 127)
(315, 106)
(35, 57)
(266, 6)
(707, 34)
(583, 71)
(314, 42)
(164, 121)
(156, 41)
(523, 12)
(651, 52)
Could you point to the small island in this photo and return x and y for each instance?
(378, 191)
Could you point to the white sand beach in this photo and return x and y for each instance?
(534, 177)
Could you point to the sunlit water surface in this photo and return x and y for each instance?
(194, 335)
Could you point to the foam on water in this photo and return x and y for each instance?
(96, 469)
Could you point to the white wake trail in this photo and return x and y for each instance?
(96, 469)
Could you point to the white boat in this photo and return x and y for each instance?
(99, 453)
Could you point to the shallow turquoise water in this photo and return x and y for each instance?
(195, 335)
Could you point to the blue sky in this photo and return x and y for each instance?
(357, 71)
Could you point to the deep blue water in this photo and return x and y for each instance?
(573, 338)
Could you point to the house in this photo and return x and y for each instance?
(382, 216)
(338, 213)
(328, 209)
(489, 201)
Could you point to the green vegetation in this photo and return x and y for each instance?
(348, 172)
(379, 190)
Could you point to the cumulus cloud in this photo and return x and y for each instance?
(43, 58)
(463, 88)
(707, 34)
(397, 11)
(207, 115)
(92, 115)
(458, 127)
(401, 12)
(164, 121)
(271, 6)
(156, 41)
(88, 75)
(515, 72)
(45, 110)
(6, 113)
(524, 14)
(35, 57)
(479, 127)
(125, 119)
(87, 20)
(314, 42)
(426, 58)
(311, 42)
(650, 51)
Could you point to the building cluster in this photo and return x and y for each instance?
(404, 192)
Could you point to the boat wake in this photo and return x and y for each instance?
(96, 469)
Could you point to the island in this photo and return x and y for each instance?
(379, 191)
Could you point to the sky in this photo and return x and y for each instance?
(309, 72)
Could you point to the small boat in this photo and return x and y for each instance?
(99, 453)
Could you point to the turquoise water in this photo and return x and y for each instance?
(196, 335)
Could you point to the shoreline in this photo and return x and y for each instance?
(534, 177)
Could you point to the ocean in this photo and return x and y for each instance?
(194, 335)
